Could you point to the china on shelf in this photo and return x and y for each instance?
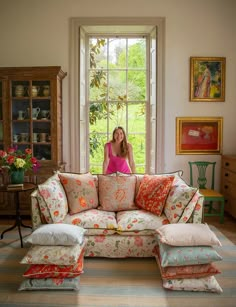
(35, 112)
(19, 90)
(35, 90)
(46, 90)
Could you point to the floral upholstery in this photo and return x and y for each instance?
(153, 192)
(95, 221)
(125, 233)
(80, 190)
(117, 193)
(139, 220)
(54, 203)
(179, 197)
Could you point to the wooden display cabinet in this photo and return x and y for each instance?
(31, 117)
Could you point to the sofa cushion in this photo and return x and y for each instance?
(60, 255)
(186, 255)
(207, 284)
(139, 220)
(178, 198)
(57, 234)
(117, 192)
(94, 221)
(153, 192)
(55, 198)
(187, 235)
(55, 271)
(80, 190)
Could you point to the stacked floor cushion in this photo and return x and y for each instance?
(55, 259)
(186, 257)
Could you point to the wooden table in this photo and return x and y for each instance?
(18, 221)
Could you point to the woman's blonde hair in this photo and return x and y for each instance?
(124, 144)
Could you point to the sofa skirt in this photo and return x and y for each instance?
(119, 246)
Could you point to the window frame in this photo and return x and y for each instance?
(78, 161)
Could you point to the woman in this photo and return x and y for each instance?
(118, 154)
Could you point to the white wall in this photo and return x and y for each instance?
(36, 33)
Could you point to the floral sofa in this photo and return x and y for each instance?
(120, 212)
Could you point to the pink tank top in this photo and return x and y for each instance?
(116, 164)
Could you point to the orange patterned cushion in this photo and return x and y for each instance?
(56, 271)
(153, 192)
(80, 190)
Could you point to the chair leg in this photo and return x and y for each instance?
(222, 211)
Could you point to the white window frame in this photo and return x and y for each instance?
(78, 162)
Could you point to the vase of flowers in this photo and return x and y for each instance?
(17, 162)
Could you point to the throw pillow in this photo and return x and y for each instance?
(54, 196)
(55, 271)
(207, 284)
(185, 271)
(186, 255)
(187, 235)
(179, 197)
(116, 193)
(57, 234)
(50, 284)
(60, 255)
(80, 190)
(153, 192)
(44, 211)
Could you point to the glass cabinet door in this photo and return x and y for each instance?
(1, 115)
(31, 117)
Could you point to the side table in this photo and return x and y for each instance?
(18, 221)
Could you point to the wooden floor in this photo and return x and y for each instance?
(228, 228)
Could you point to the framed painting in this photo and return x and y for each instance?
(207, 79)
(199, 135)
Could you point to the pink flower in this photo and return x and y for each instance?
(138, 241)
(99, 239)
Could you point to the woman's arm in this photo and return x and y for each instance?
(106, 159)
(131, 159)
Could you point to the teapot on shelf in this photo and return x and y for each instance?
(19, 90)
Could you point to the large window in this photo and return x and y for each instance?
(116, 78)
(117, 94)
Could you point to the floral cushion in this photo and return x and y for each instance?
(80, 190)
(60, 255)
(54, 196)
(179, 196)
(186, 255)
(57, 234)
(94, 221)
(207, 284)
(138, 220)
(116, 193)
(193, 211)
(153, 192)
(50, 284)
(187, 235)
(186, 271)
(55, 271)
(45, 213)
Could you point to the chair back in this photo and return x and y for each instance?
(201, 167)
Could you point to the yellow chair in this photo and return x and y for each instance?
(207, 190)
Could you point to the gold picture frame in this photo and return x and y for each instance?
(207, 79)
(199, 135)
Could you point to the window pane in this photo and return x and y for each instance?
(137, 53)
(117, 85)
(136, 118)
(118, 112)
(98, 114)
(98, 53)
(97, 85)
(136, 85)
(139, 150)
(97, 142)
(117, 53)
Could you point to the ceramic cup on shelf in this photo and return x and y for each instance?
(19, 90)
(45, 114)
(43, 137)
(15, 138)
(35, 137)
(24, 137)
(35, 112)
(46, 90)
